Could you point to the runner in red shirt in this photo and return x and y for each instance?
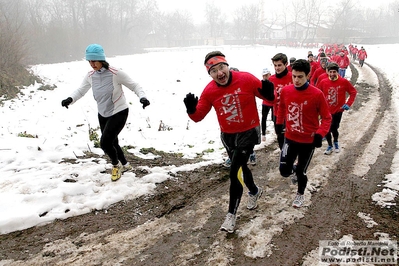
(266, 106)
(280, 79)
(233, 96)
(362, 55)
(343, 62)
(321, 70)
(292, 60)
(304, 109)
(335, 89)
(314, 65)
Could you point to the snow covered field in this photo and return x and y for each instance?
(32, 187)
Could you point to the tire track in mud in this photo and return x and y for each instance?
(190, 208)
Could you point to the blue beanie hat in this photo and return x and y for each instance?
(95, 52)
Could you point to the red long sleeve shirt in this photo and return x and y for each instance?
(335, 93)
(301, 110)
(316, 75)
(279, 84)
(342, 61)
(362, 54)
(235, 104)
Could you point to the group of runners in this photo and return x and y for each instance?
(306, 98)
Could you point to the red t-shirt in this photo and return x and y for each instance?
(301, 109)
(362, 54)
(316, 75)
(342, 61)
(335, 93)
(320, 78)
(235, 104)
(279, 83)
(314, 65)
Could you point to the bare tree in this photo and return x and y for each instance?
(343, 19)
(215, 20)
(12, 34)
(312, 15)
(247, 22)
(175, 27)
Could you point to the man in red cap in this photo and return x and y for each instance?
(233, 96)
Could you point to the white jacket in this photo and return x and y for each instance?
(107, 90)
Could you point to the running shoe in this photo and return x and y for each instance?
(298, 201)
(229, 223)
(329, 150)
(253, 199)
(336, 147)
(116, 171)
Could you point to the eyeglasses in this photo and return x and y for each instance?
(217, 68)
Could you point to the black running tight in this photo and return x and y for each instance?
(110, 129)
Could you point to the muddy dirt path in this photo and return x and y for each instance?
(179, 224)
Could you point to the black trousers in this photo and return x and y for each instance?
(239, 146)
(265, 112)
(335, 122)
(280, 137)
(110, 129)
(289, 153)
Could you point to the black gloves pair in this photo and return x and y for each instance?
(191, 102)
(279, 129)
(144, 102)
(66, 102)
(69, 100)
(267, 90)
(317, 141)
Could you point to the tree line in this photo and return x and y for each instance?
(46, 31)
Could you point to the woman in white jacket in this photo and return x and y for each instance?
(106, 83)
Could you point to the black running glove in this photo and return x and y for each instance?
(279, 129)
(66, 102)
(191, 102)
(144, 102)
(267, 90)
(317, 141)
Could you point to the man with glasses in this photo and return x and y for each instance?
(233, 96)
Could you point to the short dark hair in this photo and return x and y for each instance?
(212, 54)
(332, 66)
(301, 65)
(280, 57)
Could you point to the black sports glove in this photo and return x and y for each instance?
(191, 102)
(279, 129)
(267, 90)
(145, 102)
(317, 141)
(66, 102)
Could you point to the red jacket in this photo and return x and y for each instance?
(300, 109)
(316, 75)
(342, 61)
(279, 84)
(320, 78)
(235, 104)
(335, 93)
(362, 54)
(314, 65)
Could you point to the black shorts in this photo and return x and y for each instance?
(243, 141)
